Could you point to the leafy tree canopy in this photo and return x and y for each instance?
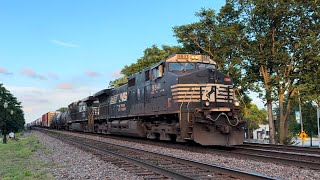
(150, 57)
(217, 35)
(63, 109)
(280, 49)
(254, 116)
(10, 122)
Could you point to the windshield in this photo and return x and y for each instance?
(204, 65)
(179, 66)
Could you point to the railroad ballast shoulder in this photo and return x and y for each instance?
(182, 98)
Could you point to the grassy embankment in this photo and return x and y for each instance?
(17, 162)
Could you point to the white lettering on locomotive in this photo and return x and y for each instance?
(122, 107)
(123, 97)
(118, 98)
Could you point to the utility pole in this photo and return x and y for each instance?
(318, 121)
(301, 124)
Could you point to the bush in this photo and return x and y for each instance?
(289, 139)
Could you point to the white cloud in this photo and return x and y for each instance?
(4, 71)
(37, 101)
(63, 43)
(91, 73)
(65, 86)
(117, 73)
(31, 73)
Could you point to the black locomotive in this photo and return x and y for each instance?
(182, 98)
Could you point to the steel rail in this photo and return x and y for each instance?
(153, 168)
(309, 150)
(205, 166)
(270, 157)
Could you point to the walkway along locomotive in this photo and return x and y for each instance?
(182, 98)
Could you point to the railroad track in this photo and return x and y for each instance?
(295, 149)
(291, 155)
(151, 165)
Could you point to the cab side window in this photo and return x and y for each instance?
(132, 82)
(147, 75)
(158, 72)
(155, 73)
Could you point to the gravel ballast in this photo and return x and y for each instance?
(269, 169)
(74, 163)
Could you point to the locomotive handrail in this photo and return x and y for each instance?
(189, 103)
(228, 94)
(180, 114)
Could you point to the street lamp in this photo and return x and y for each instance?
(274, 118)
(5, 105)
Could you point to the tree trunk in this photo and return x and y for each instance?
(272, 131)
(284, 115)
(5, 138)
(282, 120)
(271, 124)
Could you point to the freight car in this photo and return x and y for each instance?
(182, 98)
(47, 118)
(59, 120)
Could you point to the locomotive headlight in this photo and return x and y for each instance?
(194, 57)
(207, 103)
(237, 103)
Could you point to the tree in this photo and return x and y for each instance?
(309, 118)
(118, 82)
(280, 35)
(310, 88)
(309, 114)
(254, 116)
(217, 35)
(151, 56)
(63, 109)
(11, 117)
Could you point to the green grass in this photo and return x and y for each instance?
(17, 162)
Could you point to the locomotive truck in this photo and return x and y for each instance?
(182, 98)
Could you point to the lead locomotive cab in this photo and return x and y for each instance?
(208, 109)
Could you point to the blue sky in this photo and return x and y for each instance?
(56, 52)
